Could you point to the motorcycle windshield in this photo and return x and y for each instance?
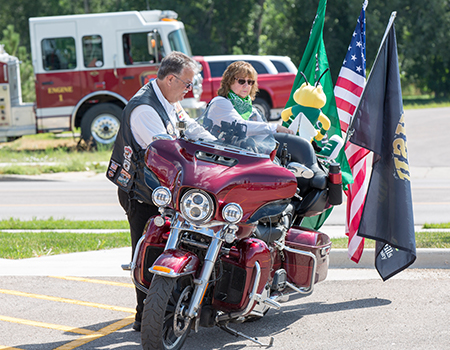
(232, 135)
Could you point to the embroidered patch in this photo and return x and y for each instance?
(127, 152)
(126, 164)
(113, 165)
(111, 173)
(123, 178)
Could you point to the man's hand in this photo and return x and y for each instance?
(284, 130)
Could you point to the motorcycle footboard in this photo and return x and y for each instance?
(306, 257)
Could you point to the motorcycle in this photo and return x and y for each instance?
(229, 245)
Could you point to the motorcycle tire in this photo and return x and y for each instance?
(163, 326)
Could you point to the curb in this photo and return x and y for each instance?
(427, 258)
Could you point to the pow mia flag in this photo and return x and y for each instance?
(379, 126)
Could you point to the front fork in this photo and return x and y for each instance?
(201, 283)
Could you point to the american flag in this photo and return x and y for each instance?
(348, 90)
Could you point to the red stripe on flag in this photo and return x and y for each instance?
(355, 156)
(349, 86)
(345, 105)
(356, 194)
(344, 126)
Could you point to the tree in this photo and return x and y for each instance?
(423, 45)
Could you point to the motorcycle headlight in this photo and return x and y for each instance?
(161, 196)
(197, 206)
(232, 213)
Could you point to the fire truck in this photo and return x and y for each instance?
(86, 68)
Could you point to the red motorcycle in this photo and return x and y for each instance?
(228, 244)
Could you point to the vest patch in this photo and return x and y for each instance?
(123, 178)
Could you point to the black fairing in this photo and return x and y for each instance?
(151, 180)
(269, 210)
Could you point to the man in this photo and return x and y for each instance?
(154, 110)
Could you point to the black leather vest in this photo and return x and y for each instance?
(127, 165)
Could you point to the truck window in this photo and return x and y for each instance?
(280, 66)
(58, 53)
(217, 68)
(135, 49)
(259, 67)
(178, 42)
(92, 51)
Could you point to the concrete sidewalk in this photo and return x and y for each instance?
(108, 263)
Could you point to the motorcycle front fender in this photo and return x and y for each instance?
(174, 263)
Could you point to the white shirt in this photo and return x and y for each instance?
(145, 122)
(221, 109)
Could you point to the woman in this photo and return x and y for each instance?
(234, 103)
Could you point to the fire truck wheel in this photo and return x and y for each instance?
(262, 107)
(101, 123)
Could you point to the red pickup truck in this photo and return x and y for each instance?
(276, 75)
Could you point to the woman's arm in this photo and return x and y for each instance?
(221, 109)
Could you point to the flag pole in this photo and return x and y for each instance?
(386, 32)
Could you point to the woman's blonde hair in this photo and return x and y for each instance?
(238, 69)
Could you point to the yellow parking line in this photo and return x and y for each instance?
(100, 333)
(68, 301)
(8, 348)
(80, 279)
(45, 325)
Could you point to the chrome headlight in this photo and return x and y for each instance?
(197, 206)
(232, 213)
(161, 196)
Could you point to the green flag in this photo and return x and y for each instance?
(314, 62)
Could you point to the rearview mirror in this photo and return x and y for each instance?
(300, 170)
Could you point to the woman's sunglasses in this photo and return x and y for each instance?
(243, 81)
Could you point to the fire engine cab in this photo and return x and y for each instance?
(86, 69)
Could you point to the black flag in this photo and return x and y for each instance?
(379, 126)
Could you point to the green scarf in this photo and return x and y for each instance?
(242, 105)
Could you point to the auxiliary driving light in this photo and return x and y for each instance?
(232, 213)
(161, 196)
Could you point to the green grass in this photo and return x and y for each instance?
(65, 153)
(30, 244)
(423, 240)
(23, 245)
(61, 224)
(437, 226)
(416, 102)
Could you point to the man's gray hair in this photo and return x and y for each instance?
(174, 63)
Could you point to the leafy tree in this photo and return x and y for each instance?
(423, 45)
(279, 27)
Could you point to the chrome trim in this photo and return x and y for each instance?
(309, 289)
(170, 274)
(162, 137)
(191, 193)
(180, 224)
(205, 274)
(253, 296)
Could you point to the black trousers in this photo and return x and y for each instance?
(138, 214)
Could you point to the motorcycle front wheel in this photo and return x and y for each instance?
(164, 325)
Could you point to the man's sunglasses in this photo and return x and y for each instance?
(243, 81)
(188, 85)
